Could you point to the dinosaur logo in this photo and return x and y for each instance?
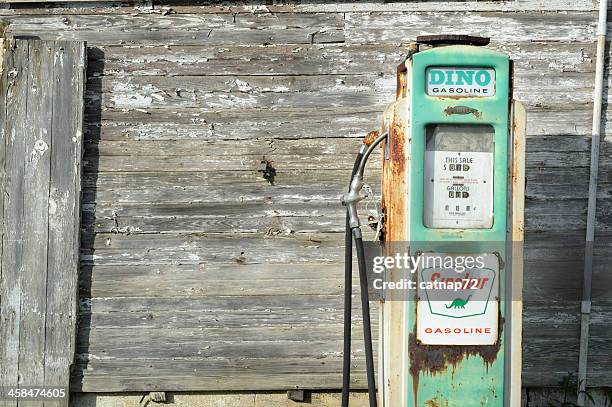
(458, 303)
(479, 290)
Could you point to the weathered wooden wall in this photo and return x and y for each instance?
(41, 131)
(197, 274)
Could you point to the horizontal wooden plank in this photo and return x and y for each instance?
(547, 377)
(548, 372)
(251, 162)
(212, 311)
(194, 281)
(201, 155)
(160, 344)
(199, 280)
(313, 148)
(204, 368)
(201, 304)
(271, 217)
(97, 338)
(249, 28)
(115, 188)
(216, 94)
(401, 27)
(198, 162)
(247, 378)
(301, 27)
(401, 6)
(64, 3)
(189, 249)
(186, 22)
(183, 124)
(224, 224)
(195, 7)
(304, 59)
(194, 346)
(536, 145)
(283, 92)
(257, 244)
(317, 59)
(215, 319)
(148, 249)
(196, 124)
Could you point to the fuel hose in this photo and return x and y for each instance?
(353, 231)
(348, 294)
(365, 310)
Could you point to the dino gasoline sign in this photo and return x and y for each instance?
(460, 81)
(458, 305)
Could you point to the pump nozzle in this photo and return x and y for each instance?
(354, 195)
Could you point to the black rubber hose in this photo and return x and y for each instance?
(348, 294)
(365, 309)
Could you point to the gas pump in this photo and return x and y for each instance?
(453, 147)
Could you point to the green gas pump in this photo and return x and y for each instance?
(452, 202)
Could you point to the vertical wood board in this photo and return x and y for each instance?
(42, 94)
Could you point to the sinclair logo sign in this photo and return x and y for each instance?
(469, 82)
(458, 306)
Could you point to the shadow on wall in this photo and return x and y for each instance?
(92, 123)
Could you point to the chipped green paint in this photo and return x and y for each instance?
(457, 376)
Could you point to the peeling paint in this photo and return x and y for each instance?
(462, 110)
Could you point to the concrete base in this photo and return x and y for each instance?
(216, 400)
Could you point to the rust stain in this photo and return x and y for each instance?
(370, 137)
(394, 185)
(515, 166)
(462, 110)
(429, 359)
(400, 87)
(434, 402)
(397, 148)
(402, 70)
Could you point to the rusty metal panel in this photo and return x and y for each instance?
(395, 195)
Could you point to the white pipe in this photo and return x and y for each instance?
(585, 308)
